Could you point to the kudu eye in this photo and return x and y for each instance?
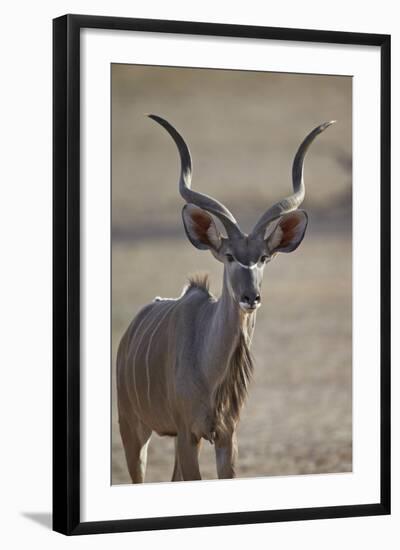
(264, 258)
(230, 258)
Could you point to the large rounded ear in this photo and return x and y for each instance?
(288, 233)
(200, 228)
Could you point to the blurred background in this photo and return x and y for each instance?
(243, 129)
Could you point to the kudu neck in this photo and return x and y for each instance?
(231, 314)
(224, 333)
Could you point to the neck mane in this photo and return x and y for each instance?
(232, 391)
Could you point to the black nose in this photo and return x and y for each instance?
(251, 298)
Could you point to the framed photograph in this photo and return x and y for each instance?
(221, 274)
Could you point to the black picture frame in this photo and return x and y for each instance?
(66, 273)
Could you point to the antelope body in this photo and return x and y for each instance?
(184, 364)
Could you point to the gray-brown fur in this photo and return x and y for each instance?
(232, 392)
(184, 364)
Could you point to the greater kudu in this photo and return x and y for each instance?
(183, 365)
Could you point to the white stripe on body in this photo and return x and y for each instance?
(168, 310)
(149, 327)
(133, 370)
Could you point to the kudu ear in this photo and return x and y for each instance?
(200, 228)
(288, 233)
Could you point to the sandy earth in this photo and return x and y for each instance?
(243, 133)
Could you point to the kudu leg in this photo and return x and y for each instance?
(177, 474)
(226, 454)
(135, 438)
(188, 456)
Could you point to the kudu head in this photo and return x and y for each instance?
(280, 229)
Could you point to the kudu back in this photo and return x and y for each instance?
(184, 364)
